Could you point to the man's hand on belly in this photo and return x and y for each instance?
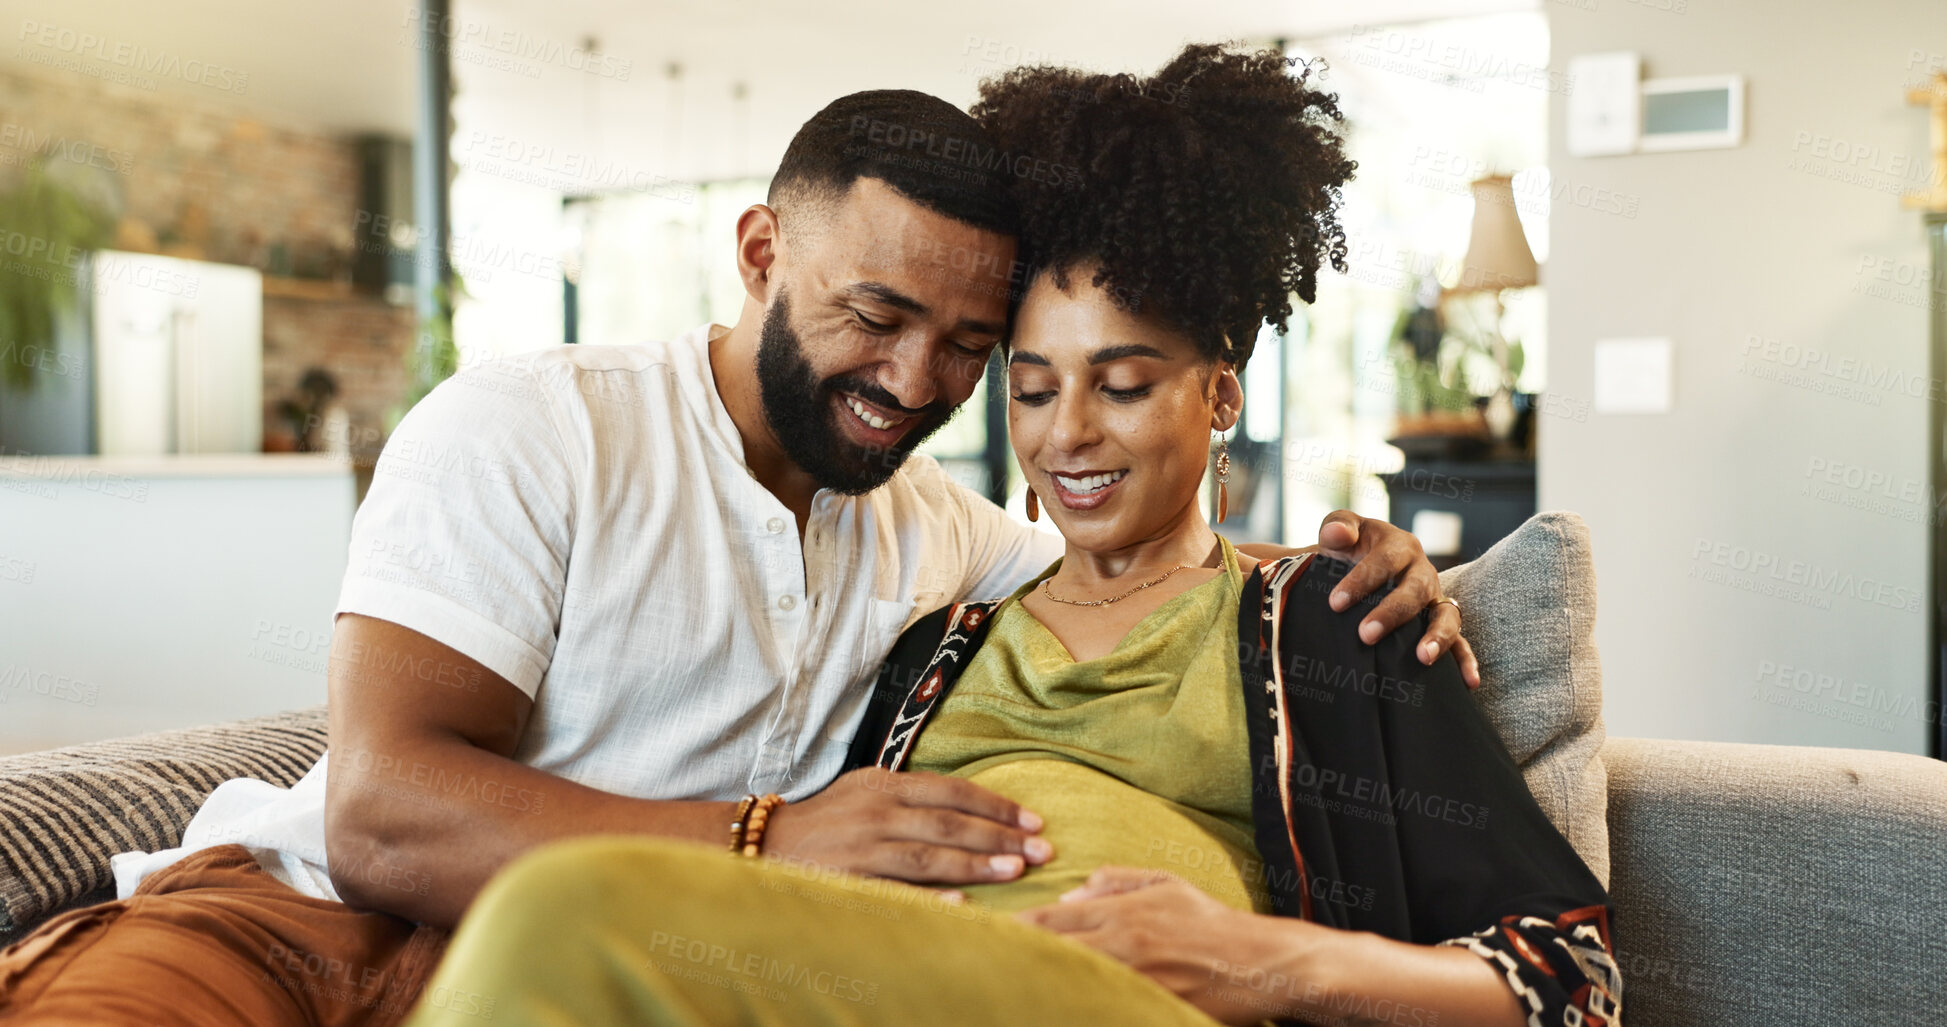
(917, 827)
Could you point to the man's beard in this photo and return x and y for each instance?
(801, 413)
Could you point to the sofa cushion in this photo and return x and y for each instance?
(1528, 609)
(1772, 884)
(66, 811)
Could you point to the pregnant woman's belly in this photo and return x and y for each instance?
(1094, 819)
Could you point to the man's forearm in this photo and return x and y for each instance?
(417, 830)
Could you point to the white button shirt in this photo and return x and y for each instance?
(580, 520)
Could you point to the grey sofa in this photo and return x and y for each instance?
(1749, 884)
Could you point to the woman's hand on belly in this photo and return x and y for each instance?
(1242, 968)
(1229, 963)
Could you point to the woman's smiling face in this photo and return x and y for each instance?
(1110, 414)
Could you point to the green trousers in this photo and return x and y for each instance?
(648, 931)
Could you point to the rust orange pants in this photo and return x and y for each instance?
(214, 940)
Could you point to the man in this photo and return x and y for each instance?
(613, 589)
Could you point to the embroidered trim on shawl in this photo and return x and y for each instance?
(1573, 951)
(961, 629)
(1280, 574)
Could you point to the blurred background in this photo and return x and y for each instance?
(1676, 267)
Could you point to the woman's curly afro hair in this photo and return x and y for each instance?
(1205, 195)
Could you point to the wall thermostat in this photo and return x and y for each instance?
(1695, 113)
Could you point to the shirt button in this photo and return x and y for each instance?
(787, 602)
(775, 526)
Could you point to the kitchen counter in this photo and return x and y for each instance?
(141, 593)
(177, 465)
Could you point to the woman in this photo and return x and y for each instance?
(1251, 814)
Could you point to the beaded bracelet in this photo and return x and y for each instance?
(760, 815)
(737, 823)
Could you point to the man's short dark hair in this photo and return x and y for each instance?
(925, 148)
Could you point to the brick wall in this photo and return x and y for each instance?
(361, 341)
(204, 182)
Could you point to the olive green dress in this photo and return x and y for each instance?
(1138, 758)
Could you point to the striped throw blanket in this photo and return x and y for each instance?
(64, 812)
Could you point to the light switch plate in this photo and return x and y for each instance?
(1605, 106)
(1632, 376)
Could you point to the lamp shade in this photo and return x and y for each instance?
(1498, 256)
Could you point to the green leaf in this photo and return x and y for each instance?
(54, 228)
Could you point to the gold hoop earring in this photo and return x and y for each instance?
(1034, 505)
(1223, 478)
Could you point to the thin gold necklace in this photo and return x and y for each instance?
(1104, 602)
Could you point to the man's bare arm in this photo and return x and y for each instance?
(424, 801)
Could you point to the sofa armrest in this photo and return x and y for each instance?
(64, 812)
(1761, 884)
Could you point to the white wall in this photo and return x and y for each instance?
(139, 595)
(1782, 241)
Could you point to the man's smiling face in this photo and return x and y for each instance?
(881, 325)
